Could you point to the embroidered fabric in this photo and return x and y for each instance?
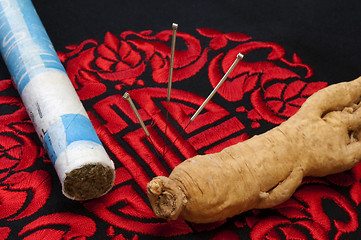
(264, 90)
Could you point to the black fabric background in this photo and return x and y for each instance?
(325, 34)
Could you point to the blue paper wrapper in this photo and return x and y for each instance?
(48, 95)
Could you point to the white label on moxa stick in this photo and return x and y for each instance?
(58, 115)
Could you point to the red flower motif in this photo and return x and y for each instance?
(282, 228)
(304, 213)
(220, 40)
(356, 187)
(4, 232)
(157, 50)
(18, 150)
(132, 207)
(45, 227)
(78, 64)
(124, 60)
(276, 92)
(276, 103)
(38, 182)
(119, 61)
(350, 178)
(11, 202)
(113, 60)
(15, 111)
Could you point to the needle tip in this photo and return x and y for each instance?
(174, 26)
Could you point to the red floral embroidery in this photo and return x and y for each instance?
(79, 68)
(156, 48)
(356, 187)
(38, 182)
(18, 150)
(280, 101)
(267, 86)
(134, 215)
(220, 40)
(119, 61)
(43, 227)
(279, 228)
(11, 202)
(304, 216)
(4, 232)
(349, 179)
(17, 112)
(276, 92)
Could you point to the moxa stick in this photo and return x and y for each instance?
(60, 120)
(322, 138)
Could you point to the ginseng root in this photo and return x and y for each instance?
(322, 138)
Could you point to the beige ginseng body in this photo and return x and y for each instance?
(265, 170)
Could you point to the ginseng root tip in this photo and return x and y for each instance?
(166, 198)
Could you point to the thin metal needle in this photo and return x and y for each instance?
(127, 97)
(239, 57)
(174, 27)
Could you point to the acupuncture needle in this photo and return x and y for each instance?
(127, 97)
(174, 27)
(239, 57)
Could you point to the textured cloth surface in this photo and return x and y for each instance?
(292, 49)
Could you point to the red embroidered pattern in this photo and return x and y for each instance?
(266, 88)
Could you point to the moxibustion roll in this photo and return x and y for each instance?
(81, 162)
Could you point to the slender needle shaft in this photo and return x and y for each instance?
(239, 57)
(126, 96)
(174, 27)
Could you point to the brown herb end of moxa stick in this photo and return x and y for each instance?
(89, 181)
(322, 138)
